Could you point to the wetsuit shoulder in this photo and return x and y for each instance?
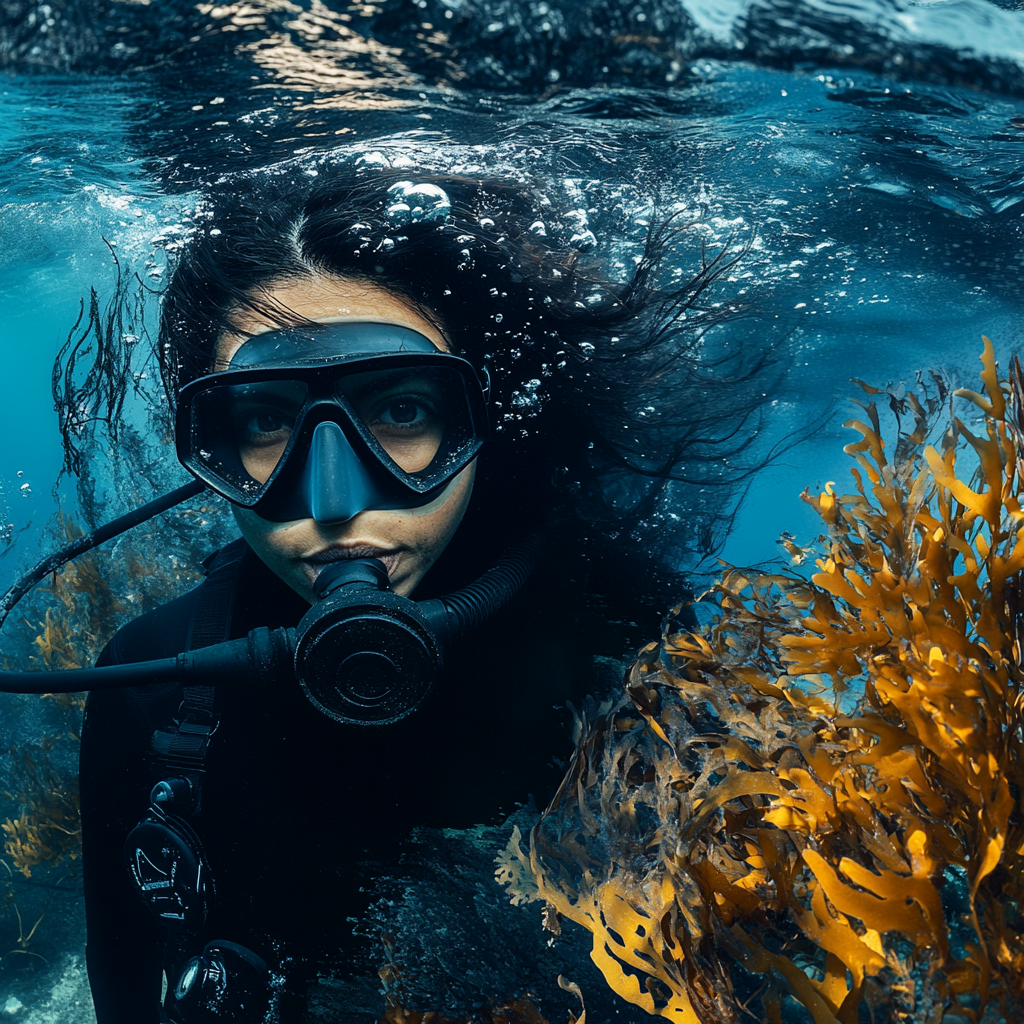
(159, 633)
(165, 631)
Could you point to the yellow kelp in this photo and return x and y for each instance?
(812, 809)
(48, 831)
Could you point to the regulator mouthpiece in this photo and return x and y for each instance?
(364, 654)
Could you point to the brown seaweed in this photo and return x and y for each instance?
(817, 801)
(48, 830)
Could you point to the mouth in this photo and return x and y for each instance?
(313, 565)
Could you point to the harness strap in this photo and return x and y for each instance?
(211, 621)
(183, 746)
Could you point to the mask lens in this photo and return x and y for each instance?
(418, 415)
(241, 431)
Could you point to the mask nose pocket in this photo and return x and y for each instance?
(335, 483)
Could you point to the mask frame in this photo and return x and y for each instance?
(332, 466)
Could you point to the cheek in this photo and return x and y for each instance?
(447, 518)
(271, 541)
(277, 545)
(425, 531)
(426, 536)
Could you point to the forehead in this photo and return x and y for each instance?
(325, 299)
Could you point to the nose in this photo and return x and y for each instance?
(336, 484)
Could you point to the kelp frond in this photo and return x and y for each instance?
(48, 829)
(96, 366)
(812, 810)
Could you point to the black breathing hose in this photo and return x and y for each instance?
(252, 659)
(78, 680)
(465, 609)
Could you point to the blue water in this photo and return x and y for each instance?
(873, 151)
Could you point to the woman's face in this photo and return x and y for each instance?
(408, 541)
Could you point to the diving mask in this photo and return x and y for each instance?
(331, 420)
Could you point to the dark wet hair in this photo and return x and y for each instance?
(616, 420)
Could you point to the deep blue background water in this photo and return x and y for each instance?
(874, 150)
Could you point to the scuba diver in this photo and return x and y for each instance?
(404, 384)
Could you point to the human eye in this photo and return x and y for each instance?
(265, 426)
(261, 425)
(404, 413)
(262, 417)
(408, 426)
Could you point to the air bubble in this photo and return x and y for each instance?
(417, 203)
(583, 240)
(373, 159)
(527, 398)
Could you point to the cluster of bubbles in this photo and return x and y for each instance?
(528, 397)
(411, 202)
(582, 237)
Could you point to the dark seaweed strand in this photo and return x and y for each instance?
(99, 398)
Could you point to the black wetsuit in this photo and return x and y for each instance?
(295, 804)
